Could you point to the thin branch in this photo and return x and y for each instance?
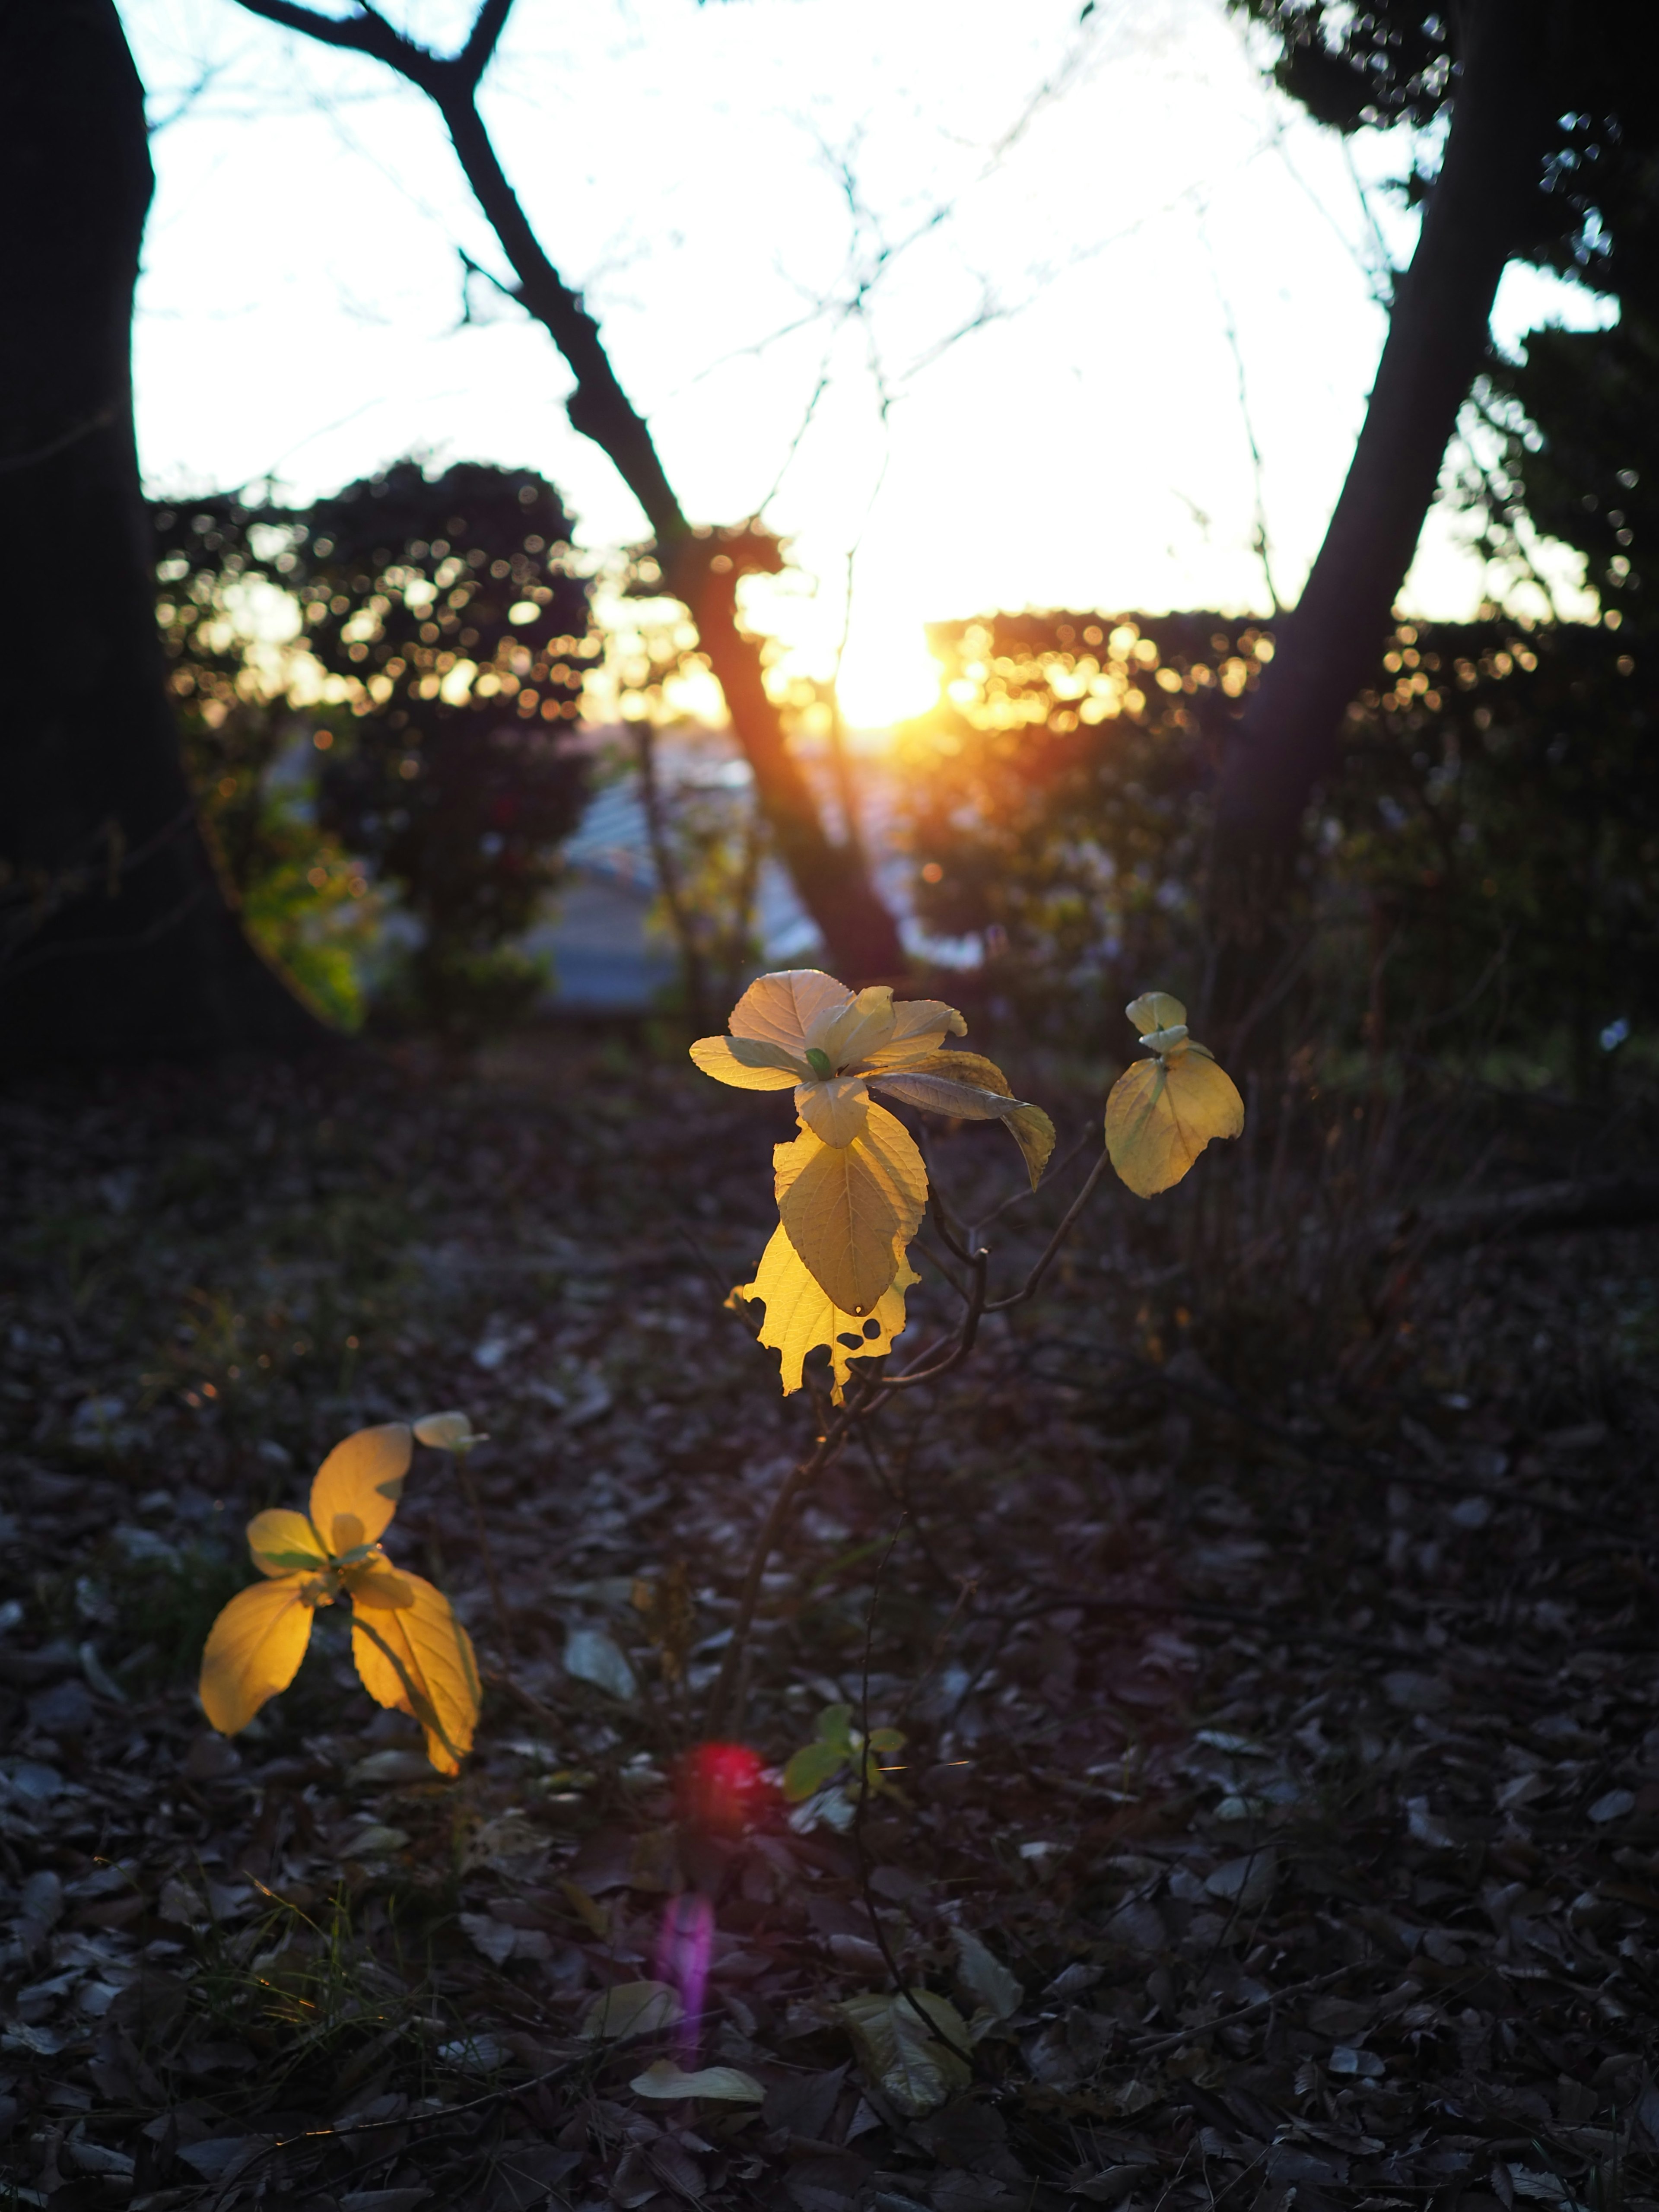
(365, 33)
(932, 1368)
(1262, 544)
(716, 1714)
(477, 54)
(900, 1987)
(1051, 1249)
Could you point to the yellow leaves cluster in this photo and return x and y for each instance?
(1164, 1111)
(409, 1650)
(852, 1187)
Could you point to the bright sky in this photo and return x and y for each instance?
(978, 299)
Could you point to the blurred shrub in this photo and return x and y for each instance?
(1053, 803)
(1500, 815)
(304, 902)
(1488, 864)
(438, 639)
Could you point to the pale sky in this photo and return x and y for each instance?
(1051, 228)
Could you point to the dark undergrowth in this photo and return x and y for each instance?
(1268, 1612)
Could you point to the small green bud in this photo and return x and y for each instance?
(818, 1061)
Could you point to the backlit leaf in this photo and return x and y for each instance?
(900, 2058)
(747, 1063)
(435, 1655)
(253, 1651)
(450, 1433)
(944, 1094)
(844, 1209)
(632, 2008)
(973, 1089)
(919, 1025)
(800, 1314)
(1155, 1010)
(845, 1034)
(665, 2079)
(284, 1543)
(1034, 1132)
(357, 1486)
(836, 1112)
(963, 1067)
(1162, 1114)
(780, 1008)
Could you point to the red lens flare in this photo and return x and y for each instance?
(719, 1788)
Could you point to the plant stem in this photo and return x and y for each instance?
(502, 1627)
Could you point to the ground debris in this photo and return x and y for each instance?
(1278, 1807)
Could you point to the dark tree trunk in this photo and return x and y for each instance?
(1476, 217)
(116, 939)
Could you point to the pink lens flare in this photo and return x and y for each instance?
(684, 1948)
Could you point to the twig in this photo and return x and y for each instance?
(503, 1627)
(1149, 2046)
(1051, 1249)
(900, 1987)
(715, 1713)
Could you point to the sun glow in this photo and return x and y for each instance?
(887, 676)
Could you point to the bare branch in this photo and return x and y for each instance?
(1067, 1220)
(475, 56)
(365, 33)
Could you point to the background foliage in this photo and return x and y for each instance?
(440, 643)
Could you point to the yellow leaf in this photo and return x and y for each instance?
(920, 1025)
(1155, 1010)
(780, 1008)
(1034, 1132)
(1161, 1113)
(973, 1089)
(835, 1111)
(800, 1314)
(357, 1486)
(963, 1067)
(436, 1653)
(284, 1543)
(253, 1651)
(846, 1035)
(846, 1208)
(450, 1433)
(747, 1063)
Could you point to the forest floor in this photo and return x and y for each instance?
(1276, 1646)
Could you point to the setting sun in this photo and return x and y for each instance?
(887, 676)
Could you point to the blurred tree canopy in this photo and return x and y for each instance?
(1055, 803)
(452, 638)
(1490, 876)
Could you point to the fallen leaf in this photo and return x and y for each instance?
(666, 2079)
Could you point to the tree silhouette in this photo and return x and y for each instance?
(456, 637)
(116, 937)
(700, 567)
(1544, 102)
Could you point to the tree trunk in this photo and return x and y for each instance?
(1289, 738)
(861, 936)
(116, 940)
